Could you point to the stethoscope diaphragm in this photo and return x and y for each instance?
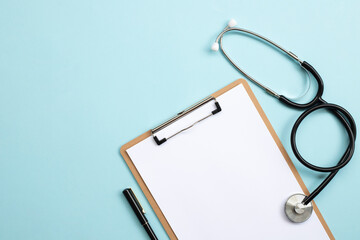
(295, 210)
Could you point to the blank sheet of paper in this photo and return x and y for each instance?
(224, 178)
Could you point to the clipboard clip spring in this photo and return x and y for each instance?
(181, 115)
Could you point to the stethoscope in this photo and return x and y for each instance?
(298, 207)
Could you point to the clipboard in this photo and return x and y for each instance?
(159, 141)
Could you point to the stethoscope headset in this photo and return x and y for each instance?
(298, 208)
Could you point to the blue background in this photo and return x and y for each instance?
(78, 79)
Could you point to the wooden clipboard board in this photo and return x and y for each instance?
(147, 134)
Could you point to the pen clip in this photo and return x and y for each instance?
(136, 200)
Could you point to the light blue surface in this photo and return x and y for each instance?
(78, 79)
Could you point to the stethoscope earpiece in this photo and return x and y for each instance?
(215, 46)
(232, 23)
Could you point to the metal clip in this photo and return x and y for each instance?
(181, 115)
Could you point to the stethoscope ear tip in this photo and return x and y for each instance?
(215, 46)
(232, 23)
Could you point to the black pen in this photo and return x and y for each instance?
(139, 211)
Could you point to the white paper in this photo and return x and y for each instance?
(224, 178)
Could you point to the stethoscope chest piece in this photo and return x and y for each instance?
(295, 210)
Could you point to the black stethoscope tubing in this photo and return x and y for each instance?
(342, 114)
